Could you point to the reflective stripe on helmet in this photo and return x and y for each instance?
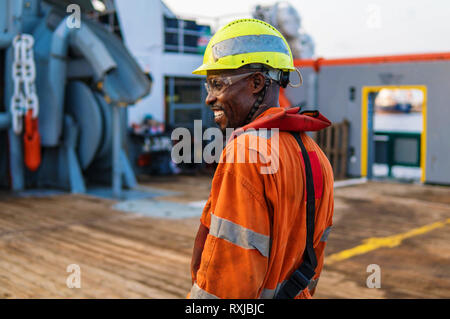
(243, 42)
(238, 235)
(249, 44)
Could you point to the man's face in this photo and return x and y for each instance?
(233, 102)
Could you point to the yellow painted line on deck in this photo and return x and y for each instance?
(373, 243)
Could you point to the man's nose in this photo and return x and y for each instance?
(210, 99)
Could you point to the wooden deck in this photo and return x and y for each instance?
(120, 255)
(124, 255)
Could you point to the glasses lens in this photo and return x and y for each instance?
(217, 85)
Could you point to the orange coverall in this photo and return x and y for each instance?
(255, 223)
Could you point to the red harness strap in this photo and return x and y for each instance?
(316, 173)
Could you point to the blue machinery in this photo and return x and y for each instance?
(85, 78)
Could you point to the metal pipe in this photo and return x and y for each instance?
(93, 50)
(13, 11)
(128, 174)
(116, 147)
(95, 53)
(5, 121)
(6, 35)
(72, 166)
(51, 119)
(15, 142)
(5, 40)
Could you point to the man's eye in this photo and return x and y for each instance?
(217, 85)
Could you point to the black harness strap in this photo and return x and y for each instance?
(301, 277)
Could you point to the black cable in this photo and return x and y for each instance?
(258, 101)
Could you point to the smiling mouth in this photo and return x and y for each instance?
(218, 114)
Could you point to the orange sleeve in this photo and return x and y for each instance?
(204, 219)
(235, 257)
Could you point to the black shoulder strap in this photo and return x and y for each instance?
(300, 279)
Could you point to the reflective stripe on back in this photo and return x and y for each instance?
(249, 44)
(238, 235)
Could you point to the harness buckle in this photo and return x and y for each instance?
(299, 280)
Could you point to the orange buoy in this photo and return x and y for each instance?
(31, 142)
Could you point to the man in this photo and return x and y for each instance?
(265, 224)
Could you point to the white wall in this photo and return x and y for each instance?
(142, 26)
(143, 30)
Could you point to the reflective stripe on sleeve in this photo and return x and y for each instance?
(199, 293)
(270, 293)
(313, 284)
(238, 235)
(325, 235)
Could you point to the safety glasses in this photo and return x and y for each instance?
(217, 85)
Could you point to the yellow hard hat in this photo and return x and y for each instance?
(246, 41)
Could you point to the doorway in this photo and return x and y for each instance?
(393, 132)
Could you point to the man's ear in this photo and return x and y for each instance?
(257, 82)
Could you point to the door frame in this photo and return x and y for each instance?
(366, 90)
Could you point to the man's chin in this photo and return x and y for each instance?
(222, 125)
